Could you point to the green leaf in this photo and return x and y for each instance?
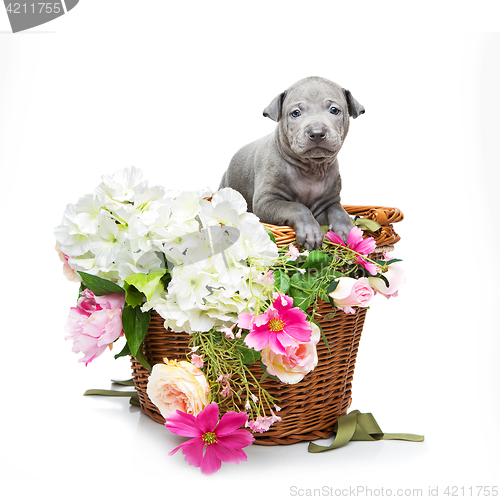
(316, 259)
(281, 281)
(124, 352)
(140, 357)
(325, 340)
(266, 373)
(135, 325)
(330, 315)
(271, 235)
(331, 288)
(146, 283)
(367, 225)
(325, 229)
(133, 296)
(249, 356)
(327, 274)
(300, 290)
(98, 285)
(383, 278)
(392, 261)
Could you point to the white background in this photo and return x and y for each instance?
(175, 89)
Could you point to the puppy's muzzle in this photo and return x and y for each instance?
(316, 133)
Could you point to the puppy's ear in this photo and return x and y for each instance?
(355, 109)
(273, 111)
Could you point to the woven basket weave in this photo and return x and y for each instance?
(311, 407)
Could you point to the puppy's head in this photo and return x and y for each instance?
(313, 115)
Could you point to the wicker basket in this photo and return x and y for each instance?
(311, 407)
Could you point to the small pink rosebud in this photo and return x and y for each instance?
(197, 360)
(293, 252)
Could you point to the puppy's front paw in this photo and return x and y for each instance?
(309, 235)
(342, 230)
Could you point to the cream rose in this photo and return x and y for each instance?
(396, 276)
(178, 385)
(298, 361)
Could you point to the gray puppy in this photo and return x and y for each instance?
(291, 177)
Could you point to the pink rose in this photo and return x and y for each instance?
(351, 292)
(95, 323)
(298, 361)
(396, 276)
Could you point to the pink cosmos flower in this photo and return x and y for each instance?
(356, 243)
(212, 443)
(95, 323)
(281, 326)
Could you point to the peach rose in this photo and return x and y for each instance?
(298, 361)
(68, 272)
(351, 292)
(178, 385)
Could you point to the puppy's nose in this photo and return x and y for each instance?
(317, 134)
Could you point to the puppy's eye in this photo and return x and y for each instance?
(296, 113)
(334, 110)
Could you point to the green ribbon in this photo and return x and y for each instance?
(134, 398)
(129, 382)
(357, 426)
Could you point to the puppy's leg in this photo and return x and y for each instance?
(339, 221)
(288, 213)
(223, 181)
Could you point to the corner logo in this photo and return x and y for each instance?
(28, 14)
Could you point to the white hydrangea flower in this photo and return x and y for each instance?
(72, 240)
(214, 249)
(187, 204)
(87, 209)
(129, 263)
(228, 207)
(123, 186)
(190, 285)
(107, 242)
